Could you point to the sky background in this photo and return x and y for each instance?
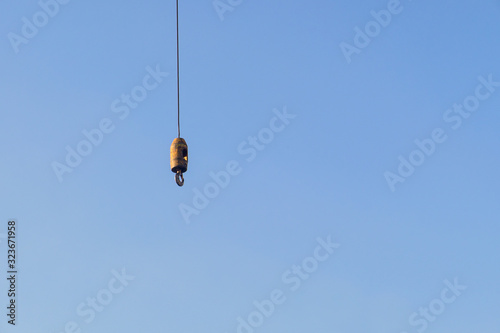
(323, 175)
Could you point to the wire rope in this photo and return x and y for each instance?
(178, 93)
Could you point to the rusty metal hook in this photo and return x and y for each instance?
(179, 178)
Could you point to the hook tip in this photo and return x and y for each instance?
(179, 178)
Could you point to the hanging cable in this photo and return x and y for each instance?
(179, 148)
(178, 93)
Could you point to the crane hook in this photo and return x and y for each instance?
(179, 178)
(179, 159)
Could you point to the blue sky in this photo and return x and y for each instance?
(114, 230)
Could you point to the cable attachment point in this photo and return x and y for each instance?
(179, 178)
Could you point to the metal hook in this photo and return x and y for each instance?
(179, 178)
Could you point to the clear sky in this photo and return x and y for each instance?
(343, 166)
